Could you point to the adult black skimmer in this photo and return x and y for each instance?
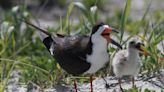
(127, 62)
(80, 54)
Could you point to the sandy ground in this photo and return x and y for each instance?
(153, 82)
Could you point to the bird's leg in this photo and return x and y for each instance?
(91, 83)
(133, 85)
(106, 84)
(119, 82)
(75, 85)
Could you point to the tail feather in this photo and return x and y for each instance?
(45, 36)
(42, 34)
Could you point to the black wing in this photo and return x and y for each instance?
(70, 52)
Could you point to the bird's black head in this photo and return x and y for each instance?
(102, 31)
(96, 27)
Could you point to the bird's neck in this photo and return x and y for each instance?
(98, 55)
(96, 45)
(132, 53)
(98, 41)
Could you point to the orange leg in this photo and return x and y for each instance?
(75, 85)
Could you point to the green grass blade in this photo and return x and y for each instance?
(136, 30)
(81, 7)
(143, 18)
(124, 18)
(67, 22)
(146, 12)
(22, 63)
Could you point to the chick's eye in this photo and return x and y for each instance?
(132, 42)
(139, 43)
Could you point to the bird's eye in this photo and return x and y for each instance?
(139, 43)
(132, 42)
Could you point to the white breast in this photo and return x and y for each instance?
(99, 55)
